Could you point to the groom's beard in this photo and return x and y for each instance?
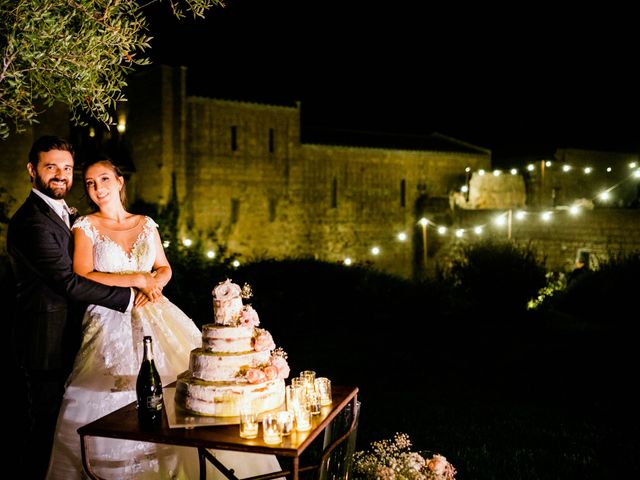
(56, 193)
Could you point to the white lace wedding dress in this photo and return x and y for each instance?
(104, 379)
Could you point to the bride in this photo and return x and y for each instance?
(115, 247)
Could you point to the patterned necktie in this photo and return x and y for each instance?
(65, 217)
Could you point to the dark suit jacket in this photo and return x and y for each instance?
(40, 248)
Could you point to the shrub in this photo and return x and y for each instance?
(606, 295)
(496, 279)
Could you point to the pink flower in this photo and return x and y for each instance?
(438, 464)
(226, 291)
(249, 317)
(385, 473)
(280, 363)
(263, 341)
(271, 372)
(255, 375)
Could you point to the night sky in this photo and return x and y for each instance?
(521, 81)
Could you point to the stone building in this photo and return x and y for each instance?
(244, 179)
(246, 183)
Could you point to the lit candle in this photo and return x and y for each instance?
(249, 429)
(271, 430)
(323, 387)
(303, 420)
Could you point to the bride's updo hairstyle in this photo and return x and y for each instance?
(107, 162)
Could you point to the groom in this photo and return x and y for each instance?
(45, 335)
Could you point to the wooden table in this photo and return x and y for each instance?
(123, 424)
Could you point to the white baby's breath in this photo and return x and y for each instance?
(394, 460)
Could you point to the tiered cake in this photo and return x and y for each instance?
(237, 363)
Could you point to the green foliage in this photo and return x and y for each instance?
(77, 52)
(556, 283)
(495, 279)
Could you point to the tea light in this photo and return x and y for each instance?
(249, 430)
(248, 422)
(313, 401)
(271, 430)
(285, 422)
(323, 387)
(303, 420)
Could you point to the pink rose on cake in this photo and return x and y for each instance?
(249, 317)
(255, 375)
(263, 341)
(271, 372)
(279, 361)
(226, 291)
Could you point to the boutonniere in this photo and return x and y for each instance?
(73, 211)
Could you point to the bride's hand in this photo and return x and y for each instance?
(153, 294)
(148, 281)
(141, 299)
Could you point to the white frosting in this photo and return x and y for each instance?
(223, 399)
(226, 312)
(221, 338)
(219, 366)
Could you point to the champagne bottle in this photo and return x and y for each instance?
(149, 389)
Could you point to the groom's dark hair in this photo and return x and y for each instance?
(47, 143)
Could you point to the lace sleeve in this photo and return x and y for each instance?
(84, 224)
(151, 223)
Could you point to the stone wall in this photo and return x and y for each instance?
(603, 232)
(245, 182)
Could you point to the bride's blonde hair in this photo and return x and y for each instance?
(107, 162)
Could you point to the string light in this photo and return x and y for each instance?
(546, 216)
(499, 220)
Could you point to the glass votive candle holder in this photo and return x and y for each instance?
(248, 423)
(271, 429)
(285, 422)
(323, 387)
(303, 418)
(309, 377)
(293, 395)
(313, 402)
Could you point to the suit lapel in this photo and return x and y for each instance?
(48, 212)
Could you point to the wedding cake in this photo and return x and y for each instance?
(238, 362)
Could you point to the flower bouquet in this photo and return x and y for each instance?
(394, 460)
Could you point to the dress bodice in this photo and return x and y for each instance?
(110, 256)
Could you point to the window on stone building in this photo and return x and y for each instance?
(234, 138)
(403, 193)
(272, 141)
(334, 193)
(235, 210)
(272, 209)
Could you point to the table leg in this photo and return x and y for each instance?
(295, 467)
(202, 464)
(84, 451)
(203, 454)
